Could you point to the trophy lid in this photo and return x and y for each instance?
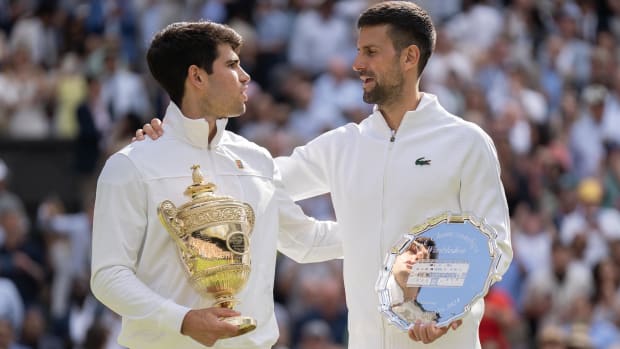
(207, 209)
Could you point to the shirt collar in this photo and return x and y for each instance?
(193, 131)
(426, 110)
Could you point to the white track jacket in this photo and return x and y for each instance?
(136, 270)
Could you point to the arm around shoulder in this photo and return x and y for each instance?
(302, 238)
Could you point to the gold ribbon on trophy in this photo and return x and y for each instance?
(212, 234)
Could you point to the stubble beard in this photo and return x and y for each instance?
(384, 94)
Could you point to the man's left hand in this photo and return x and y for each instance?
(153, 130)
(429, 332)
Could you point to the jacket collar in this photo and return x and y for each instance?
(427, 110)
(192, 131)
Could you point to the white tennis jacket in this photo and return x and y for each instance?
(136, 270)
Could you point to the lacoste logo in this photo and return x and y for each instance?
(422, 161)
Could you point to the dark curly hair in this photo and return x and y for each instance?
(180, 45)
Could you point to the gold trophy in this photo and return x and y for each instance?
(212, 234)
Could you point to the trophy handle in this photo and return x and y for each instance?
(251, 217)
(167, 214)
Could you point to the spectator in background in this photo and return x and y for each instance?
(573, 57)
(318, 34)
(68, 237)
(550, 290)
(94, 123)
(274, 23)
(11, 305)
(123, 90)
(22, 257)
(70, 91)
(327, 306)
(551, 337)
(611, 179)
(590, 227)
(25, 90)
(35, 333)
(8, 200)
(8, 336)
(315, 334)
(476, 28)
(38, 34)
(587, 133)
(531, 239)
(611, 117)
(500, 322)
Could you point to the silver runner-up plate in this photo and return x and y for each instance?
(437, 271)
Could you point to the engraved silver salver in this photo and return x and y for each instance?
(438, 270)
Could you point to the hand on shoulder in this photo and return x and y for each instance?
(153, 130)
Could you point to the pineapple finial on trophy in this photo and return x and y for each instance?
(199, 188)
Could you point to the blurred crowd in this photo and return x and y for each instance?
(542, 77)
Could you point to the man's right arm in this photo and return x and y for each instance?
(119, 231)
(305, 173)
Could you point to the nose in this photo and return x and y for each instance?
(244, 77)
(358, 64)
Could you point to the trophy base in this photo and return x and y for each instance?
(245, 324)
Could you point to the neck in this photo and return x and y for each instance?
(193, 111)
(394, 112)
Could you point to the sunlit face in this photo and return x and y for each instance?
(378, 65)
(226, 92)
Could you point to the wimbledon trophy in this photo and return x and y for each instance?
(437, 271)
(212, 236)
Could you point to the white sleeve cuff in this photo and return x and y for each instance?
(171, 316)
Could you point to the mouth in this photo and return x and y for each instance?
(367, 81)
(244, 93)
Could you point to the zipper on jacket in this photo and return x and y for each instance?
(393, 137)
(211, 163)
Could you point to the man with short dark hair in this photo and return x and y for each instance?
(408, 161)
(136, 270)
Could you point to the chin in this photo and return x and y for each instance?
(237, 113)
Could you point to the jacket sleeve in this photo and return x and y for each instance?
(482, 194)
(304, 173)
(302, 238)
(119, 231)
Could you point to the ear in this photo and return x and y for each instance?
(196, 76)
(410, 57)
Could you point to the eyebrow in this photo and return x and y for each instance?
(367, 47)
(233, 60)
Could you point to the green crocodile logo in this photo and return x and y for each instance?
(422, 161)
